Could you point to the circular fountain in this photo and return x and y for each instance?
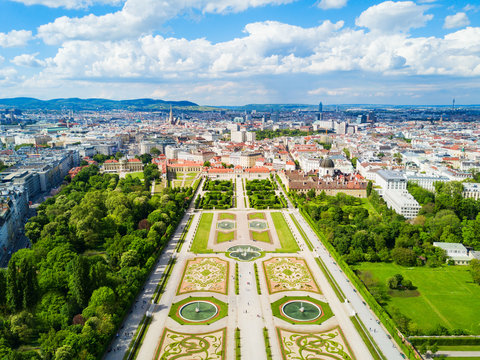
(198, 311)
(301, 310)
(244, 252)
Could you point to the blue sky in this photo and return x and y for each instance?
(234, 52)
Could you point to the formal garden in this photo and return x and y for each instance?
(204, 274)
(192, 346)
(329, 344)
(182, 179)
(219, 194)
(289, 274)
(262, 195)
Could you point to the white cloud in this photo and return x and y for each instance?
(470, 7)
(391, 17)
(331, 91)
(458, 20)
(28, 60)
(69, 4)
(332, 4)
(268, 48)
(15, 38)
(134, 19)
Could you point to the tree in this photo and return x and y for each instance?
(22, 286)
(154, 151)
(475, 270)
(3, 287)
(146, 158)
(118, 155)
(395, 281)
(80, 281)
(207, 164)
(369, 188)
(404, 257)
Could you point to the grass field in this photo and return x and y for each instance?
(159, 186)
(262, 236)
(136, 175)
(287, 241)
(200, 241)
(225, 236)
(227, 216)
(447, 297)
(458, 347)
(368, 205)
(258, 215)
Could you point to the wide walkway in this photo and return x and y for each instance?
(250, 320)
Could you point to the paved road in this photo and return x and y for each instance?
(20, 242)
(366, 315)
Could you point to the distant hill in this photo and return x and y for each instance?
(25, 103)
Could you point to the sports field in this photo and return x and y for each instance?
(447, 295)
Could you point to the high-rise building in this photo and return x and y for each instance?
(320, 112)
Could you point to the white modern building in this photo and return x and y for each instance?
(471, 190)
(391, 180)
(402, 202)
(394, 191)
(426, 182)
(456, 252)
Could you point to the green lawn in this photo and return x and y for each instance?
(188, 183)
(368, 205)
(287, 241)
(458, 347)
(262, 236)
(447, 295)
(136, 175)
(159, 186)
(228, 216)
(225, 236)
(258, 215)
(200, 240)
(177, 183)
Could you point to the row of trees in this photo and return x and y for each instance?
(93, 246)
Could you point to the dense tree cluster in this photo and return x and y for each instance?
(382, 235)
(93, 246)
(271, 134)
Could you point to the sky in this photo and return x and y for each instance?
(237, 52)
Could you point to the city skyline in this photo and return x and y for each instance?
(234, 52)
